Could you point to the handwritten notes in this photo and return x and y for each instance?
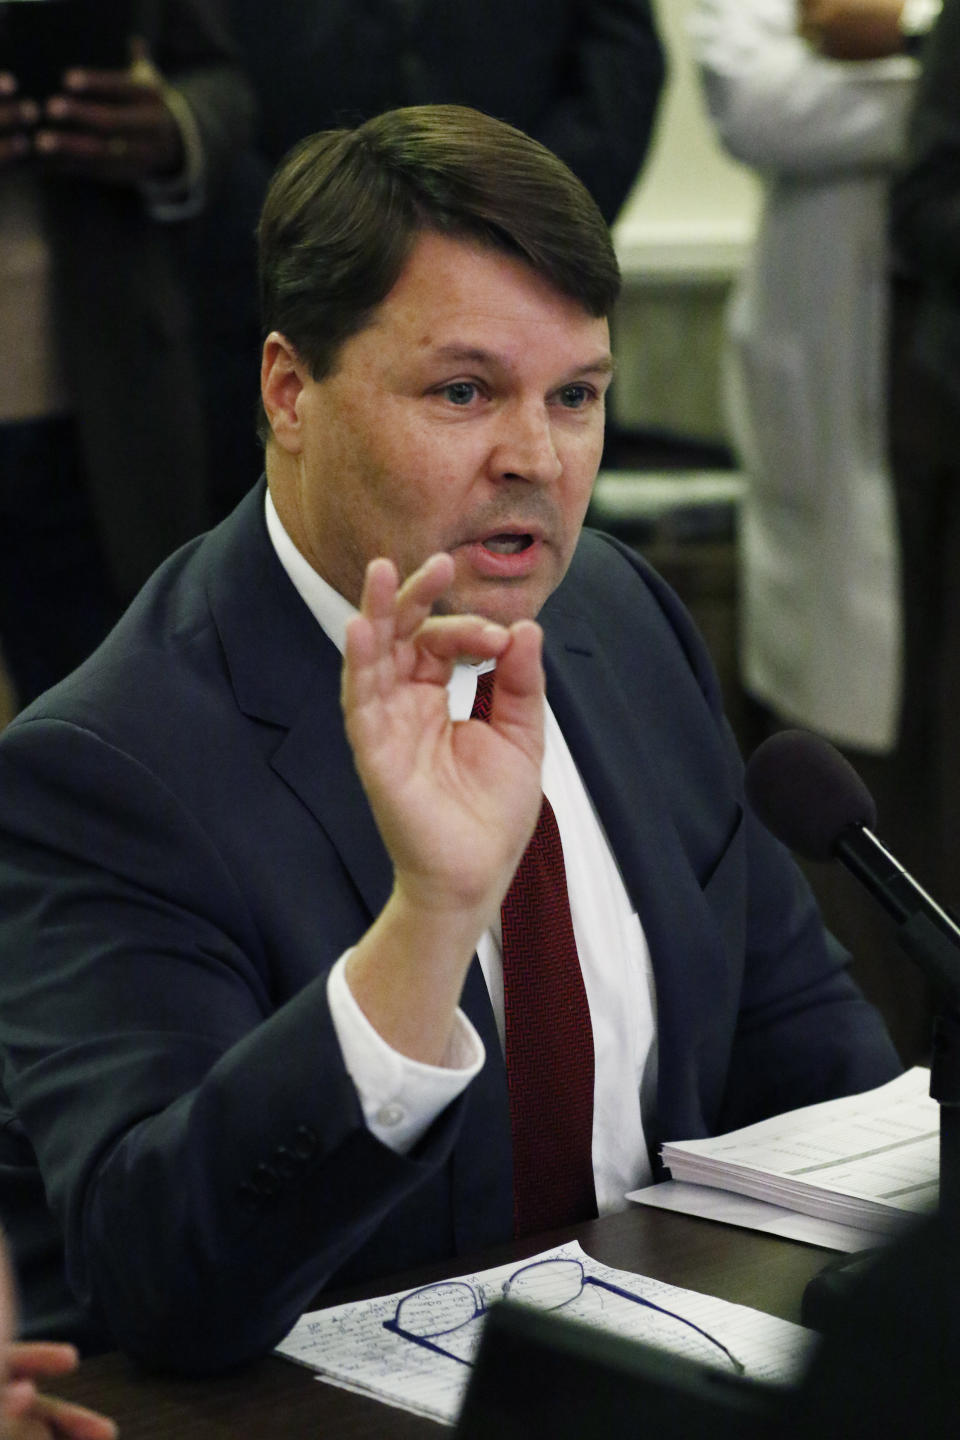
(413, 1349)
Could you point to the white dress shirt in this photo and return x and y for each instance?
(402, 1097)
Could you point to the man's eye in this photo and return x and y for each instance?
(460, 392)
(575, 396)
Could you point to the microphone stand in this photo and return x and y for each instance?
(930, 937)
(932, 941)
(936, 953)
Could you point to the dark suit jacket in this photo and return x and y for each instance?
(185, 850)
(581, 76)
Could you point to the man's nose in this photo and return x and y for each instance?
(526, 448)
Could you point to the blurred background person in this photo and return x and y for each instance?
(805, 363)
(583, 78)
(102, 460)
(820, 620)
(924, 404)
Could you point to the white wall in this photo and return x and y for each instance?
(681, 237)
(693, 207)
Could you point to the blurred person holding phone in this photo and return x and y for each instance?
(83, 95)
(115, 121)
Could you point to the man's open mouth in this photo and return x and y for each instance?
(508, 544)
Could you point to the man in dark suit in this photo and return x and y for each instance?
(255, 998)
(924, 394)
(582, 78)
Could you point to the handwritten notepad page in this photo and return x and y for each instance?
(413, 1349)
(870, 1160)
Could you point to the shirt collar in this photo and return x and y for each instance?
(327, 606)
(332, 612)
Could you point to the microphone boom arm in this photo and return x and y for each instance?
(935, 945)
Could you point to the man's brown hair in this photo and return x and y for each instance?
(344, 210)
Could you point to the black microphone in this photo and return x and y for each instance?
(812, 799)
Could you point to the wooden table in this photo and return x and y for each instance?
(276, 1398)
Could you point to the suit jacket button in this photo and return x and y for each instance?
(390, 1115)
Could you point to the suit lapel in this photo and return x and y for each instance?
(285, 673)
(601, 734)
(315, 760)
(606, 740)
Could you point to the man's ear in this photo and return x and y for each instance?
(282, 377)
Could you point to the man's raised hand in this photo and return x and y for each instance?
(455, 803)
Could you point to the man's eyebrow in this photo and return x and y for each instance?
(466, 353)
(604, 364)
(473, 355)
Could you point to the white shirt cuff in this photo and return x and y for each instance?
(400, 1097)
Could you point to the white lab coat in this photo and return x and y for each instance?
(806, 365)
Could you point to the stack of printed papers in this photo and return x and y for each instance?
(869, 1161)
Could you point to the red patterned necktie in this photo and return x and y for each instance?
(549, 1038)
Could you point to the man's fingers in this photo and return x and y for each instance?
(19, 1398)
(519, 682)
(121, 137)
(449, 638)
(518, 688)
(520, 669)
(143, 116)
(85, 146)
(16, 120)
(34, 1358)
(13, 147)
(16, 113)
(380, 585)
(439, 642)
(369, 635)
(408, 604)
(396, 639)
(420, 591)
(127, 84)
(396, 612)
(46, 1415)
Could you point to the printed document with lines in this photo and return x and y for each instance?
(414, 1349)
(870, 1160)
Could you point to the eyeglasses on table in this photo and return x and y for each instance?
(443, 1317)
